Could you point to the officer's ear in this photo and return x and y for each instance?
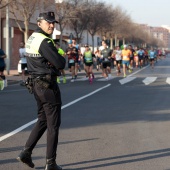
(39, 24)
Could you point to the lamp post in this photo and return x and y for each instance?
(7, 40)
(87, 30)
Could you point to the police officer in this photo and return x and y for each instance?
(44, 63)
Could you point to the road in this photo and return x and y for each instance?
(120, 124)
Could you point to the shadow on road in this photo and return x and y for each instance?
(143, 157)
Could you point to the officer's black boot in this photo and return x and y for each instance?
(25, 157)
(51, 165)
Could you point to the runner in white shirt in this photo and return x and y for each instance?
(117, 54)
(23, 61)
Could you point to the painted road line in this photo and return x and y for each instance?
(63, 107)
(149, 80)
(67, 77)
(168, 80)
(82, 79)
(126, 80)
(138, 71)
(104, 79)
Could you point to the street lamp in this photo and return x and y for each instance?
(87, 30)
(7, 40)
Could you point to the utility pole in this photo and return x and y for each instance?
(87, 30)
(7, 40)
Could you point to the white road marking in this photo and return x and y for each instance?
(63, 107)
(82, 79)
(104, 79)
(67, 77)
(126, 80)
(4, 91)
(149, 80)
(138, 71)
(168, 80)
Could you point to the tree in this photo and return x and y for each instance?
(63, 11)
(23, 10)
(4, 3)
(79, 23)
(99, 17)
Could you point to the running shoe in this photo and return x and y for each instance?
(64, 79)
(72, 80)
(124, 75)
(93, 76)
(109, 76)
(58, 80)
(2, 84)
(90, 80)
(22, 83)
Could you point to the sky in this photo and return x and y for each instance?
(152, 12)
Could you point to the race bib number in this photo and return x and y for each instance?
(106, 59)
(125, 57)
(88, 59)
(71, 61)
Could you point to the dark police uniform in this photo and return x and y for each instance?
(44, 63)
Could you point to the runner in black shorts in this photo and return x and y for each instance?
(106, 54)
(88, 61)
(71, 52)
(131, 58)
(77, 66)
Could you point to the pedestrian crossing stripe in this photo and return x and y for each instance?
(149, 80)
(104, 79)
(146, 81)
(126, 80)
(82, 79)
(67, 77)
(168, 80)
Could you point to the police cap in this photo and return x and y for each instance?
(48, 16)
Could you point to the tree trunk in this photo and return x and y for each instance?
(26, 32)
(92, 36)
(115, 40)
(61, 36)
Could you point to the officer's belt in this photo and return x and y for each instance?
(33, 55)
(47, 77)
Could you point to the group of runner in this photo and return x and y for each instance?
(125, 58)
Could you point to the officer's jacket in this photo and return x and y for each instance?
(42, 55)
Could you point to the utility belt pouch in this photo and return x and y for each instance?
(43, 83)
(29, 85)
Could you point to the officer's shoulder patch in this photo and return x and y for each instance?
(49, 41)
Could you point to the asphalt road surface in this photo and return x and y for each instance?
(120, 124)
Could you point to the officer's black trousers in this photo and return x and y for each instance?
(49, 117)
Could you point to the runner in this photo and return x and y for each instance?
(106, 64)
(117, 54)
(88, 61)
(136, 58)
(146, 59)
(77, 66)
(101, 57)
(126, 53)
(141, 57)
(131, 58)
(71, 52)
(2, 68)
(98, 59)
(152, 56)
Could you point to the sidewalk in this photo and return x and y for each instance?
(13, 78)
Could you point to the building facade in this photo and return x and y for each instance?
(160, 33)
